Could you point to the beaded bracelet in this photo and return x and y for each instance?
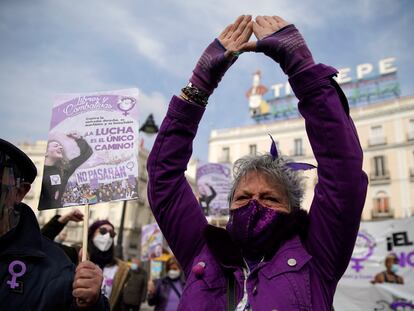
(194, 94)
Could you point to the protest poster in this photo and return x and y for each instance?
(375, 241)
(151, 242)
(156, 268)
(213, 184)
(92, 149)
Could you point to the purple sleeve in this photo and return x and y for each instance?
(340, 193)
(172, 201)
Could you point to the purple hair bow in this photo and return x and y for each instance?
(296, 166)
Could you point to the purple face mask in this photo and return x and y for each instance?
(251, 227)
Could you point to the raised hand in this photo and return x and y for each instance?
(221, 54)
(74, 135)
(235, 35)
(267, 25)
(282, 42)
(74, 215)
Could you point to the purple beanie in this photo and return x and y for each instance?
(96, 225)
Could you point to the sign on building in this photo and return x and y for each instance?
(366, 84)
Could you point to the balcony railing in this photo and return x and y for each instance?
(377, 141)
(224, 159)
(410, 135)
(412, 174)
(297, 152)
(376, 178)
(376, 214)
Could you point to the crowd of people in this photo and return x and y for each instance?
(125, 285)
(105, 192)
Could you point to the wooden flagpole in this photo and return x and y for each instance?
(85, 233)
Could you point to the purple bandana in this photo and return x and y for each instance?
(251, 228)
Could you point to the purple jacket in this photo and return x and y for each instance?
(301, 275)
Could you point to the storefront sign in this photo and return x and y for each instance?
(365, 84)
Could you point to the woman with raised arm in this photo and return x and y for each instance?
(58, 169)
(272, 255)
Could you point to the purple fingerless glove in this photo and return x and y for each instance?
(288, 48)
(211, 67)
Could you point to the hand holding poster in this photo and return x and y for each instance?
(213, 183)
(91, 154)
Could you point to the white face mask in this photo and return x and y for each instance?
(173, 274)
(103, 242)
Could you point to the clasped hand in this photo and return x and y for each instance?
(235, 37)
(277, 39)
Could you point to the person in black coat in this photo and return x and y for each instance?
(35, 274)
(135, 290)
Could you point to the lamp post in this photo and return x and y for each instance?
(148, 127)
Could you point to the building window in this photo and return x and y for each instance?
(412, 171)
(379, 173)
(298, 147)
(225, 155)
(377, 136)
(112, 213)
(410, 134)
(133, 241)
(379, 166)
(252, 149)
(381, 206)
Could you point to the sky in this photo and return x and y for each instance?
(48, 47)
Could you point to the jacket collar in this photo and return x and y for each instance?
(293, 228)
(25, 239)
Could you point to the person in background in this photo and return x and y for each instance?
(390, 273)
(101, 252)
(165, 293)
(58, 169)
(35, 274)
(135, 290)
(273, 255)
(53, 230)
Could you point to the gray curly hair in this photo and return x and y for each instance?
(276, 170)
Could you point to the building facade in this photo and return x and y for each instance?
(386, 133)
